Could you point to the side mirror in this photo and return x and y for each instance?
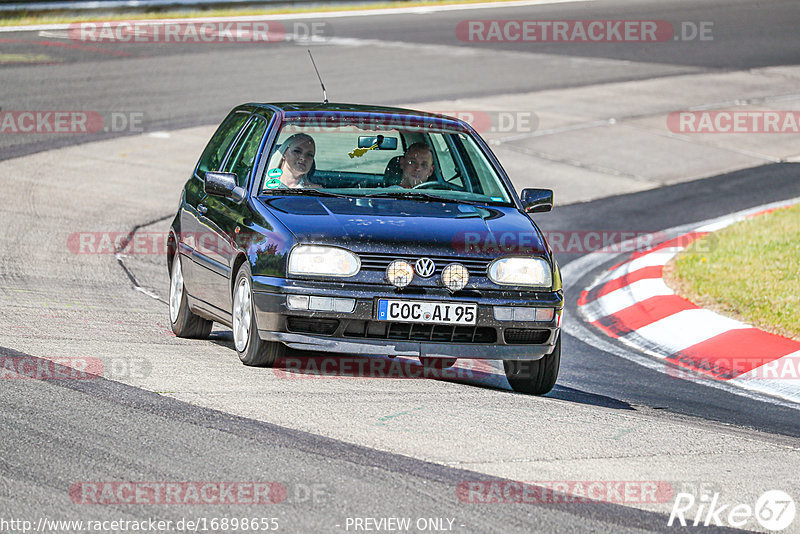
(537, 200)
(223, 184)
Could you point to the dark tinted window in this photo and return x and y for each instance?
(244, 152)
(215, 151)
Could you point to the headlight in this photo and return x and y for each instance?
(323, 261)
(521, 272)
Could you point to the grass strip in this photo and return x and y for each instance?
(749, 271)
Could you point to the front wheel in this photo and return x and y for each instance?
(184, 323)
(252, 350)
(536, 377)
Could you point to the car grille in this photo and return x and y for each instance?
(305, 325)
(420, 332)
(526, 336)
(379, 262)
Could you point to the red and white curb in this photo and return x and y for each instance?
(631, 302)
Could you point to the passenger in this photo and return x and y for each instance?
(295, 159)
(416, 164)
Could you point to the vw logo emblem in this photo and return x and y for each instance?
(425, 267)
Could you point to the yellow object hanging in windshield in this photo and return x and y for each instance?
(358, 152)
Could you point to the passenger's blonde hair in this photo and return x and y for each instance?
(276, 160)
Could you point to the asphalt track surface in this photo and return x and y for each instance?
(176, 85)
(57, 432)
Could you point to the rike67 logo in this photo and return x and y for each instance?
(774, 510)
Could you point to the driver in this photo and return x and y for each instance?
(417, 165)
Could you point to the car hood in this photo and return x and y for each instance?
(392, 225)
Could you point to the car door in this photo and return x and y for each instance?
(201, 274)
(224, 216)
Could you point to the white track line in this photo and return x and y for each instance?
(686, 328)
(654, 259)
(625, 297)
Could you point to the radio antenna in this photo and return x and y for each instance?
(324, 92)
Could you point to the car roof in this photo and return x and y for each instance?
(292, 110)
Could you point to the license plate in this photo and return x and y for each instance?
(415, 311)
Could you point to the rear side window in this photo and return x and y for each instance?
(244, 152)
(215, 151)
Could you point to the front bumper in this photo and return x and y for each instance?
(359, 332)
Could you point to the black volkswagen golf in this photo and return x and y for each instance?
(368, 230)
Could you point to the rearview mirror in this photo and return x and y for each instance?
(537, 200)
(384, 143)
(223, 184)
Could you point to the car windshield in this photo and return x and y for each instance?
(386, 160)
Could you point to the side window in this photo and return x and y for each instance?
(488, 184)
(244, 152)
(218, 146)
(447, 165)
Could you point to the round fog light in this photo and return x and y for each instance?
(399, 273)
(455, 276)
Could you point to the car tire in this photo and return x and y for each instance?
(437, 363)
(535, 377)
(184, 322)
(252, 350)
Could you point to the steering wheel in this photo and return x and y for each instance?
(438, 185)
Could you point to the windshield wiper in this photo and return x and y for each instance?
(302, 191)
(427, 196)
(409, 194)
(416, 195)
